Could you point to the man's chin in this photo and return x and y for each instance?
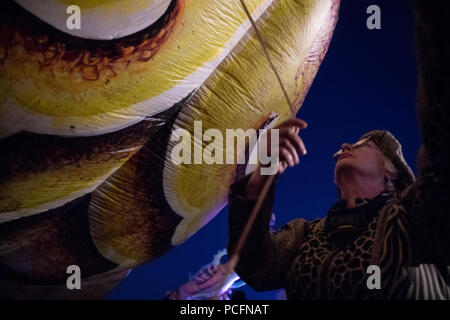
(344, 167)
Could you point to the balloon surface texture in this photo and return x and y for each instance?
(87, 118)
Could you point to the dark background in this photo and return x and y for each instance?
(367, 81)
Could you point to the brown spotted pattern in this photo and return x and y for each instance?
(41, 48)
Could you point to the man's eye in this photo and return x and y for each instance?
(361, 143)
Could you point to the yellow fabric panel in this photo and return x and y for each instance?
(297, 34)
(37, 190)
(125, 217)
(61, 95)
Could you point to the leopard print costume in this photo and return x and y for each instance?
(408, 237)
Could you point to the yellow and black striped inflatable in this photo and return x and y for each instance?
(86, 116)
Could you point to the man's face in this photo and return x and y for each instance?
(362, 157)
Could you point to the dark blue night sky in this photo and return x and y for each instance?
(367, 81)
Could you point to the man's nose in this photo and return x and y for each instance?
(346, 147)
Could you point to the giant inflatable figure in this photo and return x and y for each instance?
(86, 116)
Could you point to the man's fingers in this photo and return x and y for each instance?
(285, 155)
(298, 142)
(295, 140)
(282, 167)
(285, 143)
(291, 146)
(294, 122)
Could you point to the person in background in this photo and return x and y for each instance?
(211, 282)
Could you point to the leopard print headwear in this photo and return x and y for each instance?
(392, 149)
